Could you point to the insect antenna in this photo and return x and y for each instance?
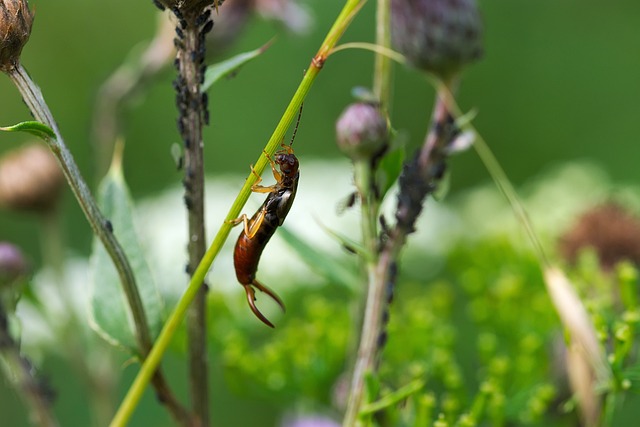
(295, 130)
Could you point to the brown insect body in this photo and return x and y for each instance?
(271, 215)
(260, 228)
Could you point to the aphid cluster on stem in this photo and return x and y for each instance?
(191, 29)
(420, 178)
(158, 4)
(390, 285)
(187, 7)
(188, 99)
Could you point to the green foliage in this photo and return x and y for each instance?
(321, 262)
(301, 362)
(611, 299)
(109, 312)
(230, 66)
(32, 127)
(475, 347)
(391, 165)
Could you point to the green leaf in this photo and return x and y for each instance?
(392, 398)
(443, 187)
(319, 261)
(110, 315)
(217, 71)
(390, 165)
(34, 128)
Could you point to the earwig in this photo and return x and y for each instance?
(259, 229)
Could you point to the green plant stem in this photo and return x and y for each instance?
(497, 174)
(32, 96)
(151, 363)
(375, 304)
(34, 99)
(192, 113)
(375, 301)
(431, 154)
(382, 66)
(394, 398)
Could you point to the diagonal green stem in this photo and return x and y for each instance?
(497, 174)
(151, 363)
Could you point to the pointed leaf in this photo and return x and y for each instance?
(319, 261)
(393, 397)
(109, 311)
(442, 189)
(390, 165)
(217, 71)
(34, 128)
(347, 242)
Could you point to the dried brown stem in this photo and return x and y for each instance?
(193, 116)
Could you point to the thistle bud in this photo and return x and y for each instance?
(439, 36)
(30, 179)
(15, 27)
(361, 131)
(12, 264)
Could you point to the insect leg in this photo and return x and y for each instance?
(242, 218)
(257, 188)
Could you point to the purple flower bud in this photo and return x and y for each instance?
(15, 28)
(361, 131)
(439, 36)
(311, 421)
(12, 264)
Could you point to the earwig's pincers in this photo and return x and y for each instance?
(251, 298)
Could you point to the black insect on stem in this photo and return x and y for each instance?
(259, 229)
(158, 4)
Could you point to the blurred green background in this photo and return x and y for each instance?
(559, 81)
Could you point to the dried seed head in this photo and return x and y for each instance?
(187, 7)
(611, 230)
(15, 27)
(439, 36)
(361, 131)
(12, 264)
(30, 179)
